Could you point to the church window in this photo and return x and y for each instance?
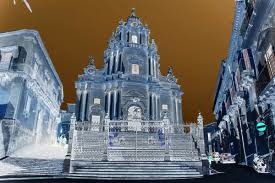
(96, 100)
(134, 39)
(135, 69)
(164, 107)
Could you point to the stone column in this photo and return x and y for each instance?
(172, 111)
(177, 111)
(155, 69)
(180, 110)
(158, 108)
(111, 63)
(154, 106)
(119, 105)
(78, 104)
(149, 105)
(148, 66)
(109, 102)
(83, 104)
(151, 64)
(115, 104)
(116, 61)
(87, 102)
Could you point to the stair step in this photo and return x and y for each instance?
(129, 165)
(144, 176)
(137, 173)
(134, 170)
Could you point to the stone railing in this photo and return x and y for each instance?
(131, 140)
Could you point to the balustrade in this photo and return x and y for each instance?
(123, 141)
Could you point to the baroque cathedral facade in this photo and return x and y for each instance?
(130, 85)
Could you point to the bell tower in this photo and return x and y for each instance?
(129, 51)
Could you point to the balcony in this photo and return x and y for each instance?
(246, 66)
(237, 100)
(265, 85)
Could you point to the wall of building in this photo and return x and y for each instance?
(30, 87)
(244, 95)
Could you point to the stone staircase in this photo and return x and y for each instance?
(129, 146)
(15, 166)
(135, 170)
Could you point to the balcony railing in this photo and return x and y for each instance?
(266, 74)
(271, 65)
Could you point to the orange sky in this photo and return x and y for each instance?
(191, 35)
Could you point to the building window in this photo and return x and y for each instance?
(6, 57)
(135, 69)
(134, 39)
(270, 59)
(27, 106)
(269, 53)
(96, 100)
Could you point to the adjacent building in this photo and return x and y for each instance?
(30, 92)
(244, 95)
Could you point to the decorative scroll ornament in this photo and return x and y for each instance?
(136, 99)
(170, 75)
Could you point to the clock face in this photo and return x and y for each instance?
(134, 24)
